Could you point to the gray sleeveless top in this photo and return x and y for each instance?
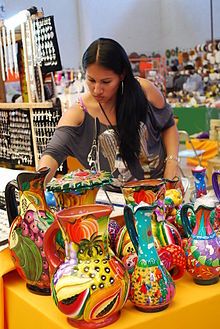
(77, 142)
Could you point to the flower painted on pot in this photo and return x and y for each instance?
(145, 196)
(83, 228)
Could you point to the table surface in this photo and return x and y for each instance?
(193, 306)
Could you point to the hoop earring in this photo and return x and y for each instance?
(122, 87)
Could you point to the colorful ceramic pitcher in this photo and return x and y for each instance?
(203, 247)
(152, 287)
(215, 185)
(199, 181)
(28, 229)
(78, 187)
(165, 234)
(91, 285)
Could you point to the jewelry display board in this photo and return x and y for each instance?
(16, 137)
(46, 42)
(28, 48)
(25, 130)
(45, 122)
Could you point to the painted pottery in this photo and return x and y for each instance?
(91, 285)
(215, 215)
(215, 185)
(152, 287)
(171, 183)
(216, 220)
(28, 229)
(203, 247)
(173, 203)
(199, 181)
(173, 200)
(78, 187)
(148, 191)
(113, 229)
(164, 233)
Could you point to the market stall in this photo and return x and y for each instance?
(28, 52)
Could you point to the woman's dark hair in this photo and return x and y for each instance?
(131, 102)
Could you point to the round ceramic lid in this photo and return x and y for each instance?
(79, 180)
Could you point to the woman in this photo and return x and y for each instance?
(136, 124)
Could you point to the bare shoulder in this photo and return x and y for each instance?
(152, 93)
(74, 116)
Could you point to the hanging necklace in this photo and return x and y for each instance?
(119, 162)
(103, 111)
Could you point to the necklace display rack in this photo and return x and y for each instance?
(26, 128)
(26, 131)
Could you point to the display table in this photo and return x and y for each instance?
(6, 265)
(193, 307)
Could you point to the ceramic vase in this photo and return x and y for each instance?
(165, 234)
(91, 285)
(199, 181)
(78, 187)
(152, 287)
(215, 185)
(28, 229)
(173, 203)
(216, 220)
(203, 247)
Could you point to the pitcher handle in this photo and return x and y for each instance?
(185, 220)
(10, 200)
(50, 248)
(171, 183)
(129, 222)
(215, 183)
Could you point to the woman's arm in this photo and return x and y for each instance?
(152, 93)
(72, 117)
(171, 142)
(48, 161)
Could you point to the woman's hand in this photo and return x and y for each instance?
(172, 170)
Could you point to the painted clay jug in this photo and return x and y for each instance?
(199, 181)
(165, 234)
(28, 229)
(216, 220)
(152, 287)
(78, 187)
(215, 214)
(173, 204)
(203, 247)
(215, 185)
(91, 285)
